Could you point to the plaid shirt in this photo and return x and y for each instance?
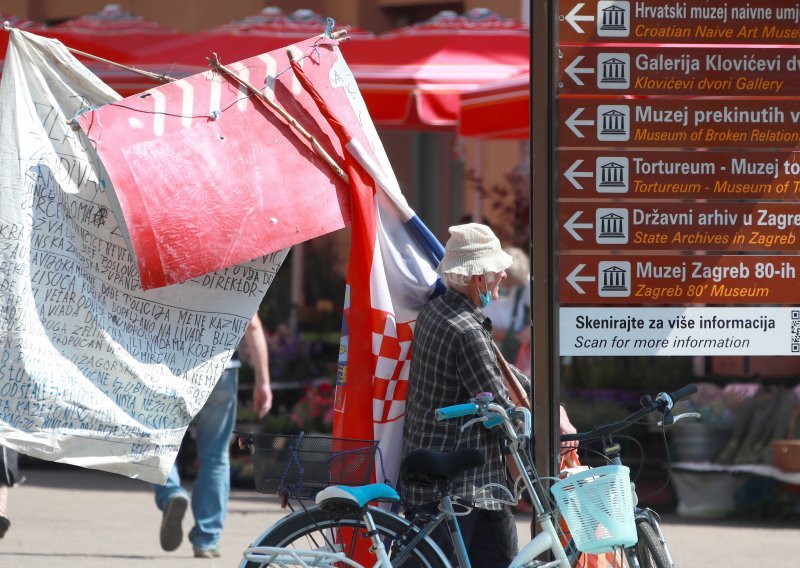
(452, 361)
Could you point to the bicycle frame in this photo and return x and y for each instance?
(548, 537)
(491, 415)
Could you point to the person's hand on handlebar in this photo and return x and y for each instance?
(568, 449)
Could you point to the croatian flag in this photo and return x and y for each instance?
(391, 276)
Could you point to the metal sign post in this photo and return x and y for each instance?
(545, 368)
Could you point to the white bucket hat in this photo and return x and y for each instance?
(473, 249)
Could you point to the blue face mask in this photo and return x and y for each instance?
(485, 297)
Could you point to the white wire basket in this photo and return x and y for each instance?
(597, 505)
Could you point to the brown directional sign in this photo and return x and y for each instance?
(679, 279)
(717, 123)
(695, 226)
(681, 70)
(665, 21)
(770, 176)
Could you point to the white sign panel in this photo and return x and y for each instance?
(679, 331)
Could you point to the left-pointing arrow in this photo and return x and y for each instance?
(573, 17)
(573, 224)
(573, 122)
(574, 277)
(572, 70)
(572, 174)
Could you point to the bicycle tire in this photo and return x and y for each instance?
(650, 551)
(303, 530)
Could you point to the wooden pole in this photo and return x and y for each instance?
(164, 78)
(215, 63)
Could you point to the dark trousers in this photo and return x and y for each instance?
(490, 537)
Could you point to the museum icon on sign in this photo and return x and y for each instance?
(613, 18)
(611, 226)
(613, 70)
(613, 122)
(611, 174)
(614, 279)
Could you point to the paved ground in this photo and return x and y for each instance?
(69, 517)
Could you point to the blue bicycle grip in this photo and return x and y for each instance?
(456, 411)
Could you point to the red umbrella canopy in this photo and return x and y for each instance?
(238, 40)
(117, 35)
(497, 110)
(412, 77)
(113, 20)
(300, 24)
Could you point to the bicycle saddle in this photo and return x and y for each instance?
(429, 467)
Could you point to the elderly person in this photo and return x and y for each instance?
(453, 360)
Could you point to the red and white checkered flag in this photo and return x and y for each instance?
(391, 275)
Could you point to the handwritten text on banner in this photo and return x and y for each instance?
(94, 370)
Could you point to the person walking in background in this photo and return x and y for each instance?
(8, 476)
(213, 428)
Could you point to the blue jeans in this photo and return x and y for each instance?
(213, 427)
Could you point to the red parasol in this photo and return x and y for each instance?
(497, 110)
(117, 35)
(268, 30)
(412, 77)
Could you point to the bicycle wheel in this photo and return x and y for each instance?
(320, 530)
(650, 550)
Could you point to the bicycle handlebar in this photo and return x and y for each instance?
(680, 394)
(456, 411)
(663, 403)
(492, 414)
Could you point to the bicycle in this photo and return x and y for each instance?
(327, 533)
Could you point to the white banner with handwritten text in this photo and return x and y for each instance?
(94, 371)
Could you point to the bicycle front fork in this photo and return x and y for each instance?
(650, 517)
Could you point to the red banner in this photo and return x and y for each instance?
(208, 176)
